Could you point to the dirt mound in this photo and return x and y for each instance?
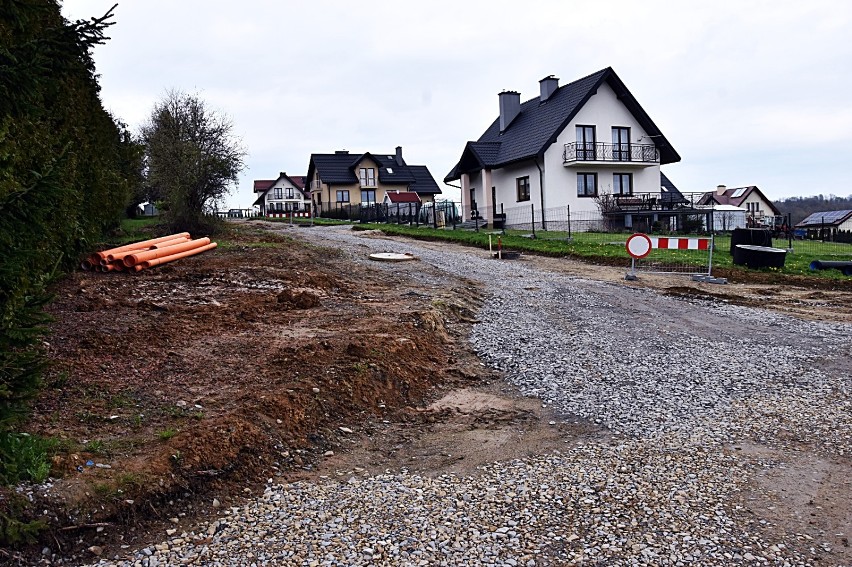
(218, 370)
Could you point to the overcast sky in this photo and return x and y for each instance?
(748, 92)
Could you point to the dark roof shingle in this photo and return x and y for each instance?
(538, 124)
(340, 169)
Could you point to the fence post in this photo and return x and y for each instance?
(532, 208)
(434, 214)
(710, 259)
(569, 220)
(790, 231)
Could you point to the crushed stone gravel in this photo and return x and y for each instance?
(675, 382)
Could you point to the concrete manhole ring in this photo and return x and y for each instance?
(391, 257)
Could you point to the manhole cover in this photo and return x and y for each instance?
(391, 257)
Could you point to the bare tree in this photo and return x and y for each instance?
(192, 158)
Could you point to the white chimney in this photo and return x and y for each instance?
(548, 86)
(720, 190)
(510, 107)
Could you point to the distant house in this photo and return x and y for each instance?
(826, 224)
(401, 202)
(398, 197)
(760, 211)
(147, 210)
(344, 181)
(285, 194)
(587, 145)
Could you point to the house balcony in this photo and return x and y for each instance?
(656, 202)
(316, 185)
(629, 155)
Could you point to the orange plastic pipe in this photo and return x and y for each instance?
(139, 245)
(118, 256)
(138, 257)
(166, 259)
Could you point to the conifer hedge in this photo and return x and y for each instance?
(66, 170)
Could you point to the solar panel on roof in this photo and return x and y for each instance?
(739, 192)
(825, 217)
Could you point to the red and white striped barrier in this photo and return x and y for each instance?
(677, 243)
(639, 246)
(287, 215)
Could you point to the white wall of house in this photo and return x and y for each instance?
(505, 182)
(603, 111)
(475, 183)
(756, 206)
(284, 196)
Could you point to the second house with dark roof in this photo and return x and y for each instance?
(345, 183)
(587, 145)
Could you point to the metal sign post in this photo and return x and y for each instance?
(638, 246)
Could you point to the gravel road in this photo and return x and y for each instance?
(679, 384)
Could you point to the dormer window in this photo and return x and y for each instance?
(390, 170)
(367, 176)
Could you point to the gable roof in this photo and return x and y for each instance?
(340, 168)
(402, 197)
(670, 194)
(736, 196)
(825, 218)
(263, 184)
(297, 181)
(538, 124)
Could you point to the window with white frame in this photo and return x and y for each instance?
(367, 176)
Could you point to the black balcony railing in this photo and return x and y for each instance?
(579, 151)
(610, 204)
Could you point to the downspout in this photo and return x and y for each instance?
(541, 188)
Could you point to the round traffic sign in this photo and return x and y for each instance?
(639, 245)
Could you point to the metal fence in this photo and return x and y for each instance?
(441, 214)
(591, 227)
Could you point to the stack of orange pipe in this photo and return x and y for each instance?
(147, 253)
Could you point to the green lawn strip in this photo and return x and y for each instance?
(609, 248)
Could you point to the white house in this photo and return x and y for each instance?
(571, 146)
(281, 195)
(760, 210)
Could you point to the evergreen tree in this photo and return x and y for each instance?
(66, 169)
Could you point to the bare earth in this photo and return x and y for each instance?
(203, 378)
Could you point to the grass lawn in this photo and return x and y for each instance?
(609, 248)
